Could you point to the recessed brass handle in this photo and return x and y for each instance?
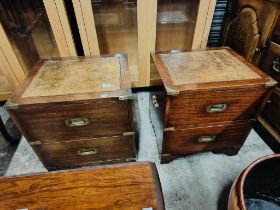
(216, 108)
(87, 151)
(155, 103)
(205, 139)
(276, 64)
(73, 122)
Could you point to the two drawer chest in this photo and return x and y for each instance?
(209, 101)
(77, 111)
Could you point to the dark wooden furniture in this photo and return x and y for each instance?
(121, 186)
(248, 25)
(77, 111)
(210, 100)
(270, 117)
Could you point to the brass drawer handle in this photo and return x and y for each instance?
(155, 103)
(205, 139)
(73, 122)
(276, 64)
(87, 151)
(216, 108)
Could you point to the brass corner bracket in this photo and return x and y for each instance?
(171, 92)
(11, 105)
(271, 83)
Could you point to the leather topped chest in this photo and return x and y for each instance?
(209, 101)
(77, 111)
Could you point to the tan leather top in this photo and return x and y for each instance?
(198, 67)
(76, 76)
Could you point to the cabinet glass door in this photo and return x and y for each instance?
(116, 28)
(28, 29)
(176, 24)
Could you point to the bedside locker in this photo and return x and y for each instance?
(210, 101)
(77, 111)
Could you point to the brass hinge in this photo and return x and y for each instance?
(130, 159)
(35, 143)
(271, 83)
(169, 129)
(128, 133)
(171, 92)
(125, 98)
(10, 105)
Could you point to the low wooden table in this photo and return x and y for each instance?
(121, 186)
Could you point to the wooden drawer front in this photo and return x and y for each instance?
(271, 62)
(104, 119)
(85, 152)
(188, 141)
(192, 109)
(271, 111)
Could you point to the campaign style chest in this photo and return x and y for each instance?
(77, 111)
(209, 101)
(119, 186)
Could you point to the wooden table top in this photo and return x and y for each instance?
(121, 186)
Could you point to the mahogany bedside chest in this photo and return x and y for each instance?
(209, 101)
(120, 186)
(77, 111)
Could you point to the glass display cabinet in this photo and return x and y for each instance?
(30, 30)
(137, 27)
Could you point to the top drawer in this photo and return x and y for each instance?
(75, 121)
(271, 62)
(217, 106)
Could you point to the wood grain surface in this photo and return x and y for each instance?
(124, 186)
(227, 135)
(248, 27)
(191, 109)
(86, 152)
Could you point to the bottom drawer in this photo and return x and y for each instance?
(208, 138)
(71, 154)
(271, 112)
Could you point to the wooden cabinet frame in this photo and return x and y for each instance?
(57, 16)
(146, 23)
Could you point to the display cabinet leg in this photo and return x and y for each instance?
(5, 133)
